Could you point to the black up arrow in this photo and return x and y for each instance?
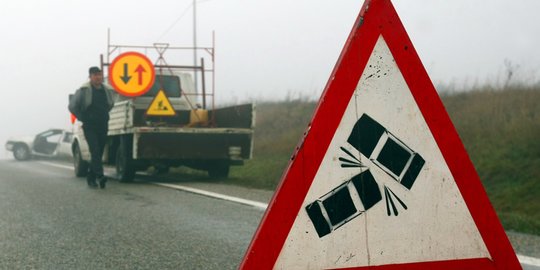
(125, 78)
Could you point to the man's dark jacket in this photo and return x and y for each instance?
(82, 99)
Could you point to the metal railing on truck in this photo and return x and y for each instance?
(157, 51)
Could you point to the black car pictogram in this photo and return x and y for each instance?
(358, 194)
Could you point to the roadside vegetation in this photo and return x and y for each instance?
(499, 128)
(501, 132)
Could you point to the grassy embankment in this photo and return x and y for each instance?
(500, 130)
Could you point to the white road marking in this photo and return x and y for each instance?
(220, 196)
(215, 195)
(522, 259)
(56, 165)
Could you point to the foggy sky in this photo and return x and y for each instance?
(264, 49)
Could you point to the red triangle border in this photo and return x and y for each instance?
(378, 17)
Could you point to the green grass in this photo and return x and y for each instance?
(279, 127)
(501, 132)
(499, 128)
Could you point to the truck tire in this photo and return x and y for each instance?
(21, 152)
(219, 169)
(125, 168)
(79, 165)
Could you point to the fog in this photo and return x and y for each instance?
(264, 49)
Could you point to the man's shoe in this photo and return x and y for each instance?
(102, 181)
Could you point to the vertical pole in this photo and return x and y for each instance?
(195, 42)
(213, 119)
(203, 85)
(101, 65)
(108, 45)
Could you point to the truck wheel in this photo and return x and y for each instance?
(21, 152)
(125, 168)
(219, 169)
(80, 166)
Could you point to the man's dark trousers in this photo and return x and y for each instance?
(96, 138)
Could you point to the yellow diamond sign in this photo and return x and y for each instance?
(161, 106)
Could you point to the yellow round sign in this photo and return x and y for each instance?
(131, 74)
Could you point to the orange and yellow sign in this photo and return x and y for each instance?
(131, 74)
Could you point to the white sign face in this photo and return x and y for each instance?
(387, 198)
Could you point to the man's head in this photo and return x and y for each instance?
(96, 76)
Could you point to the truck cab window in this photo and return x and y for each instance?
(168, 83)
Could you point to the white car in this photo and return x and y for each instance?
(51, 143)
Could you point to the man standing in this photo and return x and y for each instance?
(91, 105)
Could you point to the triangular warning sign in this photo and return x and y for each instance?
(161, 106)
(381, 178)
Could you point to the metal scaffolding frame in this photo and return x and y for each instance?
(160, 64)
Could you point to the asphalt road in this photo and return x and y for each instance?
(50, 220)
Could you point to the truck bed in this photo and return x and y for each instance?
(227, 135)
